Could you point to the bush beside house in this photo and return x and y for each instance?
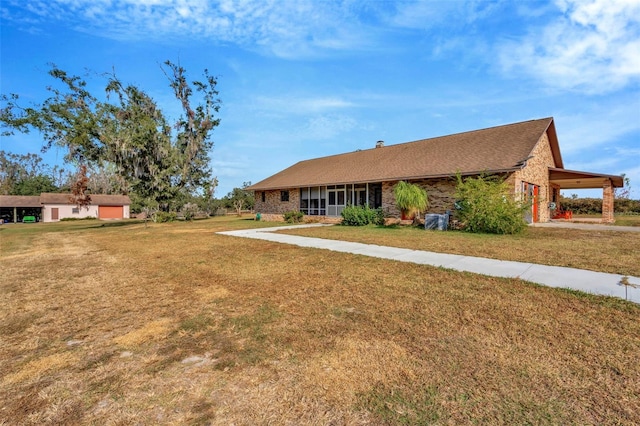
(485, 205)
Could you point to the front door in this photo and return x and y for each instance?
(337, 199)
(54, 213)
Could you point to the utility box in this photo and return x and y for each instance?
(438, 222)
(431, 221)
(443, 222)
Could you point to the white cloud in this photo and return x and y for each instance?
(592, 47)
(426, 14)
(326, 127)
(285, 28)
(596, 128)
(628, 152)
(300, 105)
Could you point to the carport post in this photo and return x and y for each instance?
(607, 202)
(15, 215)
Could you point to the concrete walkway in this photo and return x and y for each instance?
(552, 276)
(586, 226)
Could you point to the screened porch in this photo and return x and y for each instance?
(332, 199)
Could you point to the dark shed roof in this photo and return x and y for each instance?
(96, 199)
(55, 198)
(19, 201)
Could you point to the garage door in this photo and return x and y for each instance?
(110, 212)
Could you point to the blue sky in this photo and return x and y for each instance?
(301, 79)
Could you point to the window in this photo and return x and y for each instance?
(264, 196)
(284, 195)
(75, 210)
(313, 200)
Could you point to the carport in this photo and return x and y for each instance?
(572, 179)
(13, 208)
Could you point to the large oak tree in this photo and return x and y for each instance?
(156, 160)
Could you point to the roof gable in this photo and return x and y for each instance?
(495, 149)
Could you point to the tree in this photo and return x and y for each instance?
(625, 192)
(240, 198)
(193, 141)
(34, 186)
(485, 204)
(207, 201)
(104, 179)
(137, 139)
(127, 131)
(11, 171)
(24, 175)
(410, 198)
(62, 178)
(79, 194)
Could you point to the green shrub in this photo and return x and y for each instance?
(361, 216)
(293, 216)
(190, 211)
(379, 217)
(161, 217)
(69, 219)
(485, 204)
(626, 206)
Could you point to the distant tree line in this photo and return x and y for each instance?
(594, 205)
(27, 174)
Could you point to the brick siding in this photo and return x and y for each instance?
(607, 202)
(272, 203)
(440, 194)
(537, 173)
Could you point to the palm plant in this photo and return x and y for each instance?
(411, 199)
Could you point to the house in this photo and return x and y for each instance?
(527, 154)
(51, 207)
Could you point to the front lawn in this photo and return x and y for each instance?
(599, 250)
(174, 324)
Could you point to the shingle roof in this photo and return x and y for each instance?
(494, 149)
(96, 199)
(110, 200)
(19, 201)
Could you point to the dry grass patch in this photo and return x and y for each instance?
(355, 366)
(152, 331)
(47, 364)
(604, 251)
(172, 324)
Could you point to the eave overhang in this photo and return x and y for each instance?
(573, 179)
